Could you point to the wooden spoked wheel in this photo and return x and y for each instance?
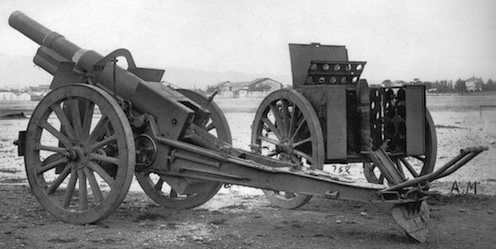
(82, 171)
(410, 166)
(287, 128)
(161, 192)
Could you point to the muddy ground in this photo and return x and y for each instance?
(242, 218)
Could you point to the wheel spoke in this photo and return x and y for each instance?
(64, 121)
(61, 137)
(269, 140)
(70, 188)
(277, 115)
(83, 191)
(292, 124)
(273, 153)
(306, 140)
(76, 117)
(56, 183)
(108, 159)
(99, 130)
(50, 148)
(303, 154)
(103, 174)
(159, 184)
(285, 114)
(210, 126)
(298, 128)
(93, 184)
(88, 117)
(52, 165)
(102, 143)
(272, 127)
(409, 167)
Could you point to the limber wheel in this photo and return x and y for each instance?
(287, 128)
(161, 192)
(82, 171)
(410, 166)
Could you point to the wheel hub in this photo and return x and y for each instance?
(78, 154)
(285, 146)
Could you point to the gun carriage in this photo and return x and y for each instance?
(101, 124)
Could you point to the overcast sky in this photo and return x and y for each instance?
(430, 40)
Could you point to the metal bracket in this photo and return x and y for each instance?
(21, 143)
(386, 165)
(147, 74)
(100, 65)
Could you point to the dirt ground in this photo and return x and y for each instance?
(242, 218)
(235, 220)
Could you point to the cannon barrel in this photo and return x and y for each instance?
(42, 35)
(54, 47)
(146, 97)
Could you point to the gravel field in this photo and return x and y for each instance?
(241, 217)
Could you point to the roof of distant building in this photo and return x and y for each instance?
(243, 84)
(473, 78)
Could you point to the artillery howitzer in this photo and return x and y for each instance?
(101, 124)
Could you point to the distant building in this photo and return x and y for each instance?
(7, 95)
(474, 84)
(23, 97)
(248, 89)
(37, 96)
(28, 94)
(396, 83)
(40, 88)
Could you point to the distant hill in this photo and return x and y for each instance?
(21, 71)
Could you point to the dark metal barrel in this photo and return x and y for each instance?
(42, 35)
(56, 49)
(163, 103)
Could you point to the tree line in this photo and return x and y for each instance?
(459, 86)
